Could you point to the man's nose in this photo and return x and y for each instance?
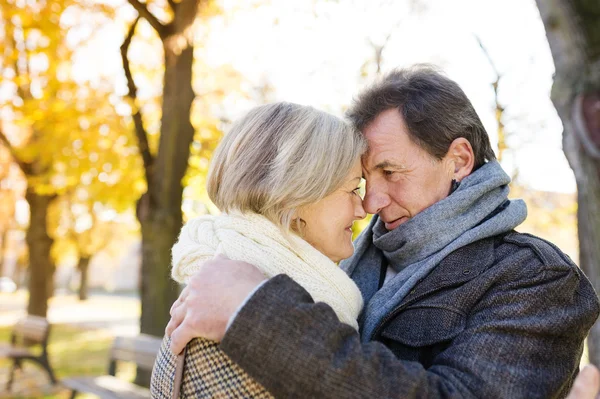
(376, 198)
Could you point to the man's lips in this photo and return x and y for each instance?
(395, 223)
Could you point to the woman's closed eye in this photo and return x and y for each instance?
(360, 189)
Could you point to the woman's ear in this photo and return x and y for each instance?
(298, 224)
(462, 157)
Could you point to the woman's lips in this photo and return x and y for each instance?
(392, 225)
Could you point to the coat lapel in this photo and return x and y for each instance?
(456, 269)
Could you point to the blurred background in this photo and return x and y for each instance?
(110, 111)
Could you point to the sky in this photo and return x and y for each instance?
(312, 52)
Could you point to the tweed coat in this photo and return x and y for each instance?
(208, 373)
(503, 317)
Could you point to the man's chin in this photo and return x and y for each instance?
(391, 226)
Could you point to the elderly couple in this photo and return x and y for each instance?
(438, 297)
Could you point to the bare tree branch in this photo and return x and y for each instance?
(487, 55)
(379, 48)
(498, 75)
(502, 134)
(10, 41)
(143, 12)
(140, 131)
(25, 168)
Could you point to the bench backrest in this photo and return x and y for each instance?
(31, 329)
(141, 350)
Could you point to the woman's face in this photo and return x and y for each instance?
(328, 223)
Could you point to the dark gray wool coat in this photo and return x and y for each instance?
(504, 317)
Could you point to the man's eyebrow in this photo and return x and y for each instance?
(389, 164)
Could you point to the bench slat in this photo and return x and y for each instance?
(13, 352)
(34, 328)
(106, 387)
(141, 350)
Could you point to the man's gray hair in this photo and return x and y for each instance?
(279, 157)
(434, 108)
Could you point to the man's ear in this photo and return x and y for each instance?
(462, 157)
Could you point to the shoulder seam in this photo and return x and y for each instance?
(548, 253)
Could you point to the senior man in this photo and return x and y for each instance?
(457, 303)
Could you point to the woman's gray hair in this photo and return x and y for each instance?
(279, 157)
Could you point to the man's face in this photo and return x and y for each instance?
(402, 178)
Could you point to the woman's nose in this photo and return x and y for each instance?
(359, 210)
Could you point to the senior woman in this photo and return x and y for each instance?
(286, 178)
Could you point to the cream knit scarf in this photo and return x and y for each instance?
(254, 239)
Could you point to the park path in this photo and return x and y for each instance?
(117, 313)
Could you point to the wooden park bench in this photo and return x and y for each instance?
(141, 350)
(29, 331)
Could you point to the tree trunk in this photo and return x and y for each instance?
(588, 216)
(159, 210)
(3, 248)
(41, 265)
(573, 32)
(83, 266)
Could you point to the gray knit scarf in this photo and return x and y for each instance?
(478, 209)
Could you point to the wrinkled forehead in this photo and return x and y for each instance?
(382, 160)
(381, 154)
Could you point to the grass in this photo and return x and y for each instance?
(72, 352)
